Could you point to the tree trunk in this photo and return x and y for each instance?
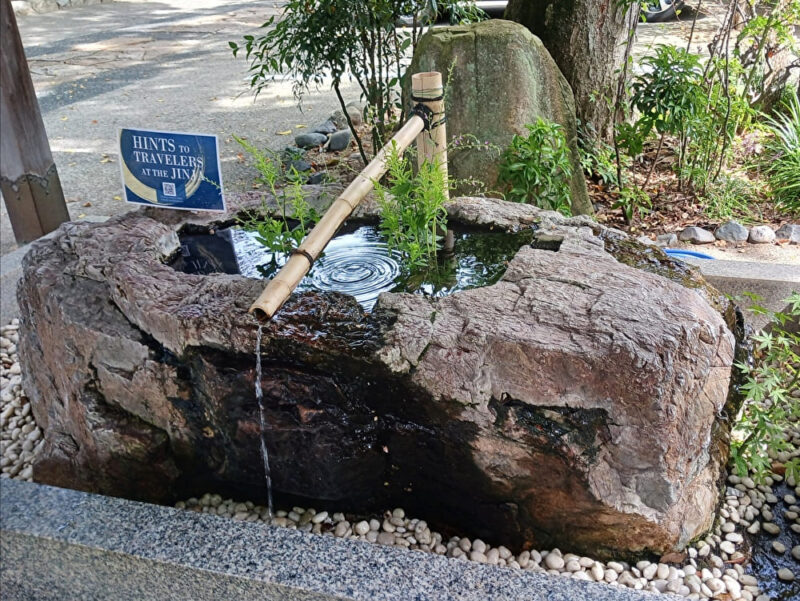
(586, 39)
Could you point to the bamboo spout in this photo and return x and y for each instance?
(299, 264)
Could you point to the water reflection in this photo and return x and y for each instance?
(358, 262)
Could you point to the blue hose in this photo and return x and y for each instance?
(678, 253)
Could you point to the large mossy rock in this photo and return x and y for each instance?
(577, 402)
(501, 78)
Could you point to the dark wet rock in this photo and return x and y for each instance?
(696, 235)
(317, 178)
(761, 234)
(732, 231)
(326, 128)
(300, 165)
(789, 232)
(291, 153)
(574, 403)
(310, 140)
(339, 140)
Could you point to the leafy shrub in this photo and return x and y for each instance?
(771, 403)
(339, 39)
(633, 201)
(783, 156)
(536, 169)
(285, 233)
(413, 216)
(597, 157)
(730, 197)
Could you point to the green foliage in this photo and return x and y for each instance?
(766, 30)
(730, 197)
(536, 169)
(413, 216)
(286, 232)
(597, 157)
(340, 39)
(782, 163)
(633, 201)
(771, 403)
(669, 92)
(700, 105)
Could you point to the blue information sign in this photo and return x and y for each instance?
(171, 170)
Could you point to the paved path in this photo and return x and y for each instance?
(161, 64)
(166, 64)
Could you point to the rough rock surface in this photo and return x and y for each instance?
(790, 232)
(732, 231)
(761, 234)
(573, 403)
(696, 235)
(503, 79)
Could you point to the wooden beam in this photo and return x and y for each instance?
(29, 179)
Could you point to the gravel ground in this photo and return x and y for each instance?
(712, 568)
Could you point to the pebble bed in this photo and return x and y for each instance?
(712, 568)
(20, 437)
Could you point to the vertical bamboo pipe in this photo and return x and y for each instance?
(283, 284)
(427, 89)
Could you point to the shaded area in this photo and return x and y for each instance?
(765, 562)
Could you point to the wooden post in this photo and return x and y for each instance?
(427, 89)
(28, 177)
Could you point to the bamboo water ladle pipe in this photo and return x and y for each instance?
(427, 126)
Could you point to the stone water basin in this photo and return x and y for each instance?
(576, 402)
(358, 262)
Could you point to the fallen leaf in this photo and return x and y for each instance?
(118, 197)
(87, 204)
(160, 100)
(240, 157)
(288, 132)
(82, 215)
(300, 126)
(64, 118)
(94, 121)
(105, 159)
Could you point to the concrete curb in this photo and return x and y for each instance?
(63, 544)
(774, 282)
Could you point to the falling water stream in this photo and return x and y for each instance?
(357, 262)
(263, 421)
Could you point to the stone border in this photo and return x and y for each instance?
(65, 544)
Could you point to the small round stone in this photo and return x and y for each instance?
(771, 528)
(786, 575)
(361, 528)
(554, 562)
(385, 538)
(778, 547)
